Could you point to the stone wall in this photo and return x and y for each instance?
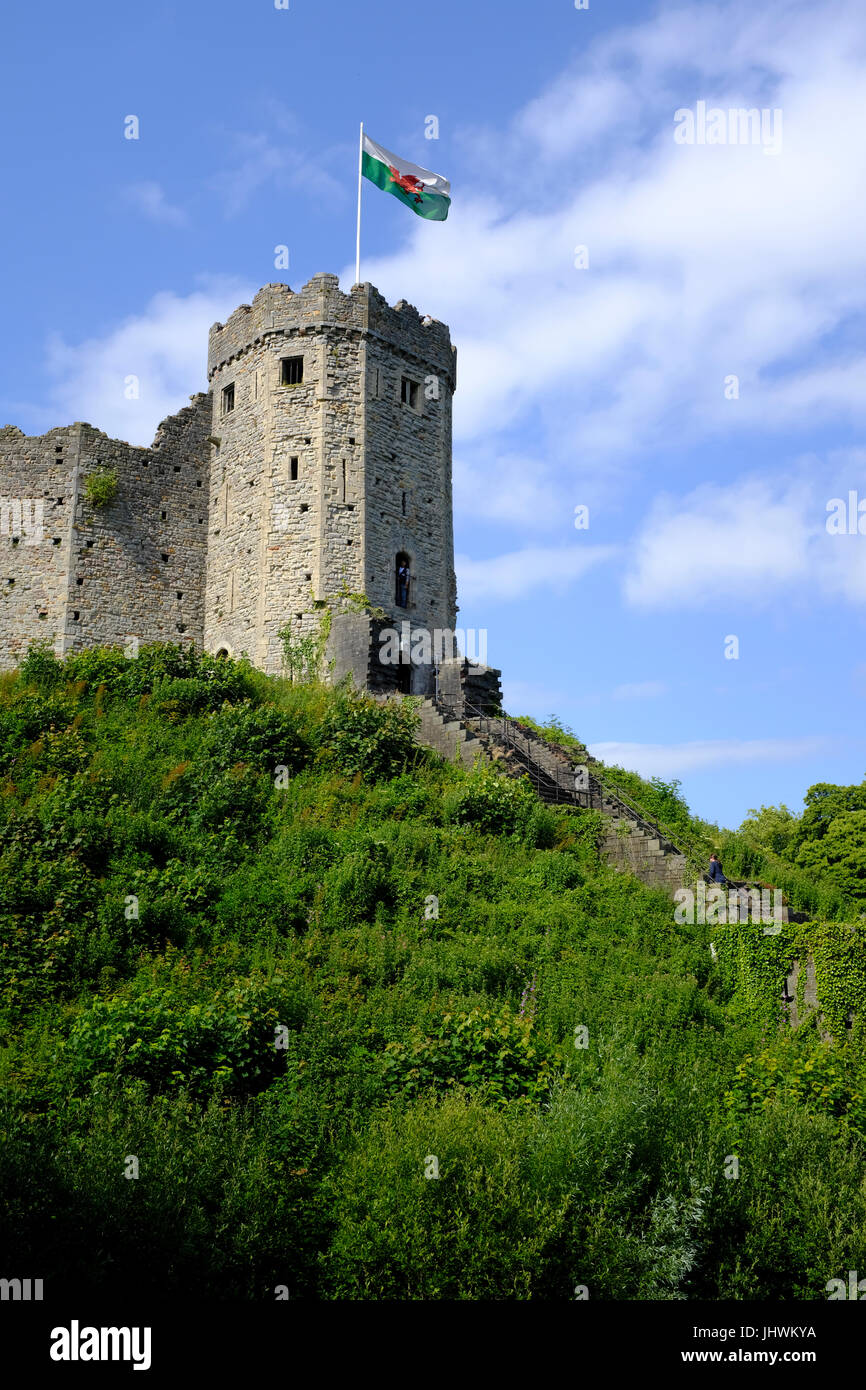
(34, 572)
(100, 575)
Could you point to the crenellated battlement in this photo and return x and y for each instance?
(322, 305)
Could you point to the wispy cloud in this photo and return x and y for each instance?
(669, 760)
(149, 199)
(519, 573)
(164, 348)
(755, 540)
(275, 154)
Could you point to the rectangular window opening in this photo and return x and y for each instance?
(228, 398)
(293, 470)
(291, 371)
(409, 392)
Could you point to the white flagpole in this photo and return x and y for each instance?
(358, 237)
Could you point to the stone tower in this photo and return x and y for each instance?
(330, 470)
(318, 464)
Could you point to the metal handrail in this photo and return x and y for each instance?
(544, 780)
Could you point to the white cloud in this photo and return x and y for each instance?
(742, 541)
(519, 573)
(149, 199)
(670, 760)
(164, 347)
(275, 155)
(641, 690)
(751, 542)
(705, 261)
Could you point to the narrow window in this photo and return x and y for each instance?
(402, 580)
(228, 398)
(344, 479)
(291, 371)
(409, 392)
(404, 503)
(293, 470)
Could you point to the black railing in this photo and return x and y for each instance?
(561, 786)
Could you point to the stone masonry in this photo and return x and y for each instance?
(318, 460)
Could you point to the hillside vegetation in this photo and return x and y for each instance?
(261, 949)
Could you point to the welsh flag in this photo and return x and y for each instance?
(427, 194)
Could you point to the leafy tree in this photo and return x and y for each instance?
(823, 803)
(840, 853)
(772, 827)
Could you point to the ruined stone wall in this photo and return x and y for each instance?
(34, 569)
(100, 575)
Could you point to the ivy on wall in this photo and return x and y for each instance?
(820, 1066)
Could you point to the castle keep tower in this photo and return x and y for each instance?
(317, 465)
(330, 470)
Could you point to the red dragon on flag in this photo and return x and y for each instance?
(426, 193)
(407, 182)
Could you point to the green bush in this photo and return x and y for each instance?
(495, 1056)
(493, 804)
(100, 487)
(363, 738)
(227, 1043)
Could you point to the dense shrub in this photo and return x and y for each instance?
(226, 1042)
(288, 995)
(495, 1056)
(494, 804)
(364, 738)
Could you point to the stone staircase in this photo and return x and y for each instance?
(448, 736)
(630, 842)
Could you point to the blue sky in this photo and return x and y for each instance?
(602, 386)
